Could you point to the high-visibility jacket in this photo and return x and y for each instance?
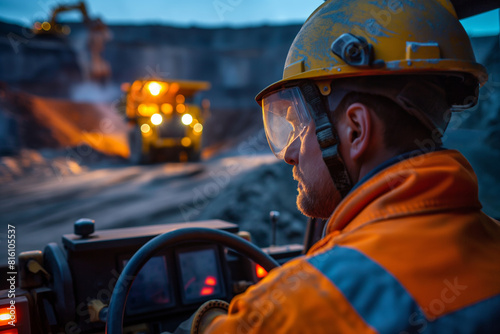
(407, 251)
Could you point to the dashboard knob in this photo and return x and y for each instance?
(84, 227)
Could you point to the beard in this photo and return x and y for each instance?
(317, 197)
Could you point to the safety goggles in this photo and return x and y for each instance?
(285, 117)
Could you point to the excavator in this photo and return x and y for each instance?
(99, 34)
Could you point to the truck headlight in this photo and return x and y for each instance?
(198, 128)
(187, 119)
(156, 119)
(154, 88)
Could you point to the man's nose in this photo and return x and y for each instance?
(291, 156)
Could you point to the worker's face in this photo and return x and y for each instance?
(290, 132)
(317, 196)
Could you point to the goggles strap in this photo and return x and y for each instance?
(327, 138)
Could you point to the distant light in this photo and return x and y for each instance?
(156, 119)
(187, 119)
(260, 271)
(125, 86)
(154, 88)
(205, 291)
(198, 128)
(46, 26)
(37, 26)
(145, 128)
(152, 108)
(180, 98)
(174, 87)
(180, 108)
(142, 109)
(167, 108)
(147, 110)
(186, 141)
(210, 280)
(66, 30)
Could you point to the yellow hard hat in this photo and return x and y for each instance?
(382, 37)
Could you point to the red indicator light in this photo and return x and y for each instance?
(206, 291)
(9, 331)
(7, 316)
(260, 271)
(210, 280)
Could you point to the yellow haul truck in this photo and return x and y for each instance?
(166, 123)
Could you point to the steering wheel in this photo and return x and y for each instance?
(116, 311)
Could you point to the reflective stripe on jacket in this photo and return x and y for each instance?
(408, 251)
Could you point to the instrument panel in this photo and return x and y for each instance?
(193, 275)
(152, 289)
(200, 272)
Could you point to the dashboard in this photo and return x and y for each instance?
(167, 290)
(169, 287)
(71, 290)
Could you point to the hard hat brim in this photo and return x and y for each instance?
(417, 67)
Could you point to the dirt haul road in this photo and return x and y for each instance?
(241, 189)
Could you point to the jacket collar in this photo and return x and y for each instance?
(431, 182)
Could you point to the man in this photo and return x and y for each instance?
(366, 95)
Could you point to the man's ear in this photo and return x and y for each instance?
(358, 128)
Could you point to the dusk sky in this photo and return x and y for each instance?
(204, 13)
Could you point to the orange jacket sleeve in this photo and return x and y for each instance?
(295, 298)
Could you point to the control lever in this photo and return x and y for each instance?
(35, 267)
(274, 215)
(31, 271)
